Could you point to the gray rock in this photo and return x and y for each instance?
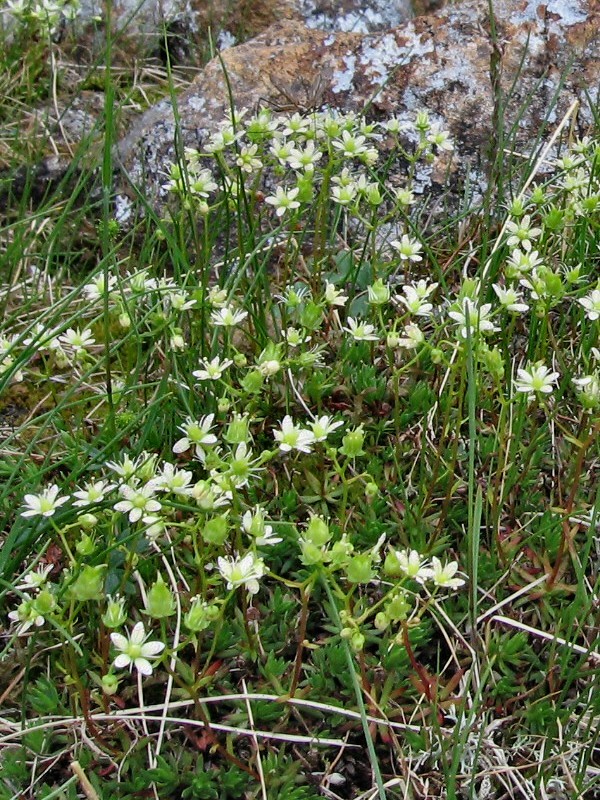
(544, 56)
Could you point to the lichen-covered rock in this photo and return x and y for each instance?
(521, 72)
(140, 27)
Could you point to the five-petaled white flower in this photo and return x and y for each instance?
(212, 370)
(510, 299)
(536, 378)
(521, 233)
(77, 340)
(135, 650)
(283, 200)
(591, 303)
(227, 317)
(92, 492)
(323, 426)
(333, 296)
(139, 501)
(292, 437)
(197, 435)
(443, 575)
(408, 249)
(246, 571)
(43, 504)
(413, 565)
(478, 318)
(361, 331)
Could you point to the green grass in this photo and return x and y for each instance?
(363, 537)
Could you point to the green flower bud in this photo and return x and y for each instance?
(311, 316)
(237, 431)
(437, 355)
(517, 209)
(44, 603)
(160, 602)
(352, 443)
(110, 684)
(379, 293)
(89, 584)
(357, 641)
(341, 552)
(253, 381)
(360, 568)
(493, 362)
(115, 614)
(391, 565)
(312, 554)
(88, 522)
(200, 615)
(381, 621)
(318, 532)
(398, 608)
(371, 490)
(223, 405)
(85, 546)
(216, 530)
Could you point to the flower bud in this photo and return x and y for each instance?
(352, 443)
(115, 614)
(110, 684)
(216, 530)
(89, 584)
(160, 602)
(318, 532)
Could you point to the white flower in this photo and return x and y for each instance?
(591, 303)
(76, 339)
(246, 571)
(294, 337)
(443, 576)
(361, 331)
(510, 299)
(201, 183)
(521, 233)
(247, 160)
(197, 435)
(291, 437)
(333, 296)
(478, 318)
(283, 200)
(254, 524)
(415, 302)
(43, 504)
(413, 565)
(212, 370)
(305, 159)
(35, 579)
(440, 139)
(96, 290)
(408, 249)
(93, 492)
(343, 195)
(227, 317)
(589, 390)
(139, 501)
(349, 145)
(241, 467)
(171, 479)
(413, 337)
(323, 426)
(135, 650)
(537, 378)
(27, 615)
